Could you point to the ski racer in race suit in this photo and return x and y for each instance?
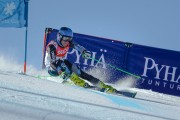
(56, 63)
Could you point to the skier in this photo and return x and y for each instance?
(56, 63)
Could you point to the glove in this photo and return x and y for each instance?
(86, 54)
(59, 70)
(64, 76)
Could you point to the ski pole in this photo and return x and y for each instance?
(62, 75)
(116, 68)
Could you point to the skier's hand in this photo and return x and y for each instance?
(64, 76)
(59, 70)
(86, 54)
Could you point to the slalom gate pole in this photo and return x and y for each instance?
(25, 54)
(26, 25)
(116, 68)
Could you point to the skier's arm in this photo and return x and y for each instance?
(51, 56)
(85, 54)
(77, 47)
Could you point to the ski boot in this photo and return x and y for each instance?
(78, 81)
(105, 88)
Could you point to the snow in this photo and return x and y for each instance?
(30, 98)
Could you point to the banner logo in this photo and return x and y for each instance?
(160, 75)
(101, 60)
(9, 9)
(12, 13)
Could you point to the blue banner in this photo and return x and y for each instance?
(158, 68)
(114, 60)
(13, 13)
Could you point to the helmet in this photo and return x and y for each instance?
(65, 33)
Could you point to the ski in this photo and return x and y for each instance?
(126, 93)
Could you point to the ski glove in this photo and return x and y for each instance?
(61, 68)
(86, 54)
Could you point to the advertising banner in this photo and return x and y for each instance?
(158, 68)
(113, 60)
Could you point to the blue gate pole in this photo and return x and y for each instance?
(26, 24)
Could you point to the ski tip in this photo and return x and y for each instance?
(127, 93)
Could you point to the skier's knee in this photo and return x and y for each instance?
(52, 72)
(76, 69)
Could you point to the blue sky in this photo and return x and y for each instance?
(147, 22)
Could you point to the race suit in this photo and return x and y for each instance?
(55, 60)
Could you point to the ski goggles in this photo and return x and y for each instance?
(65, 38)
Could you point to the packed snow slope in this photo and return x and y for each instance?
(26, 97)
